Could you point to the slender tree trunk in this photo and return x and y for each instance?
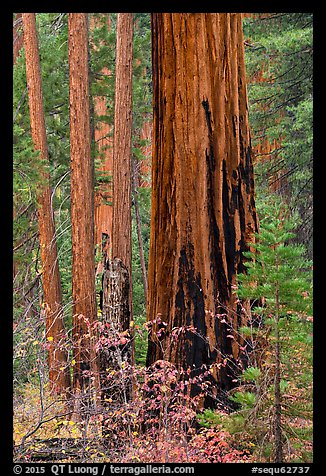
(277, 387)
(52, 300)
(18, 43)
(103, 196)
(117, 286)
(138, 225)
(145, 164)
(82, 205)
(121, 240)
(267, 151)
(203, 210)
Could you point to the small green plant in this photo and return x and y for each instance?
(245, 399)
(278, 277)
(209, 418)
(251, 374)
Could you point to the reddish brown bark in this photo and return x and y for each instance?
(117, 291)
(103, 197)
(121, 240)
(52, 298)
(103, 135)
(145, 164)
(82, 202)
(203, 210)
(138, 226)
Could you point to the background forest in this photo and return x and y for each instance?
(267, 415)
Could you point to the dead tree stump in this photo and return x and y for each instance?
(115, 339)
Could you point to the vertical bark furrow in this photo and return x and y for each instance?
(202, 209)
(82, 202)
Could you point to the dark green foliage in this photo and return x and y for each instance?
(277, 264)
(281, 108)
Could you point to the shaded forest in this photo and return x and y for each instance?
(162, 225)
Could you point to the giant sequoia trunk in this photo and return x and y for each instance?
(203, 210)
(82, 203)
(52, 296)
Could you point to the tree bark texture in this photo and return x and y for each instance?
(138, 226)
(145, 164)
(203, 209)
(82, 202)
(121, 239)
(121, 242)
(103, 209)
(116, 346)
(52, 296)
(103, 135)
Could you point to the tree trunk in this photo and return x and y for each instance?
(117, 291)
(121, 240)
(82, 205)
(203, 210)
(103, 209)
(138, 226)
(103, 196)
(144, 166)
(278, 450)
(52, 296)
(116, 346)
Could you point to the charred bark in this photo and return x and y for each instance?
(115, 338)
(203, 210)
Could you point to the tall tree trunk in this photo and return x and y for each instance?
(82, 205)
(55, 332)
(117, 277)
(135, 185)
(145, 164)
(121, 242)
(203, 210)
(103, 196)
(18, 42)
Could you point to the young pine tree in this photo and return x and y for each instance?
(274, 398)
(278, 275)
